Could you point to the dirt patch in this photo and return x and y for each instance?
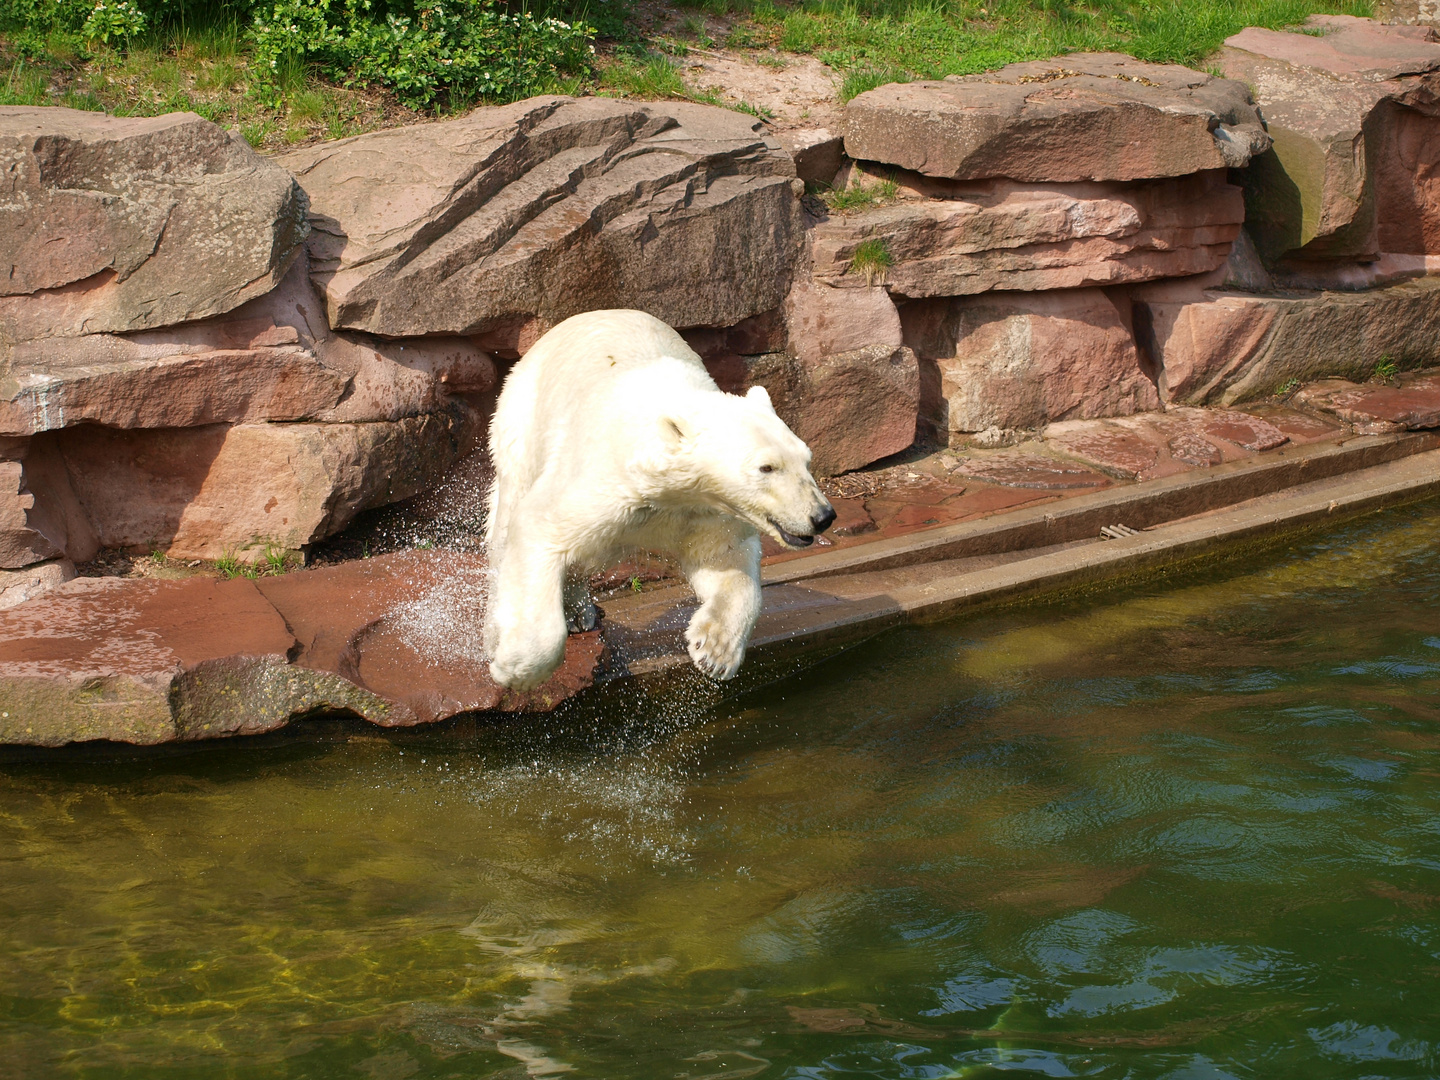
(789, 91)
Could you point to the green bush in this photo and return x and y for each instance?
(119, 19)
(463, 50)
(426, 51)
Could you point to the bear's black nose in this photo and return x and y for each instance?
(822, 520)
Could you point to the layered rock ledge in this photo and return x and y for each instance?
(550, 207)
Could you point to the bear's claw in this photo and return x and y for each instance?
(715, 652)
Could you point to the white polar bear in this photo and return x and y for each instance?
(609, 437)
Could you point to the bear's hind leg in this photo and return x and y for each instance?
(722, 563)
(581, 614)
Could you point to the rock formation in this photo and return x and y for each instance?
(547, 208)
(1086, 116)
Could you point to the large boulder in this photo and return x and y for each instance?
(945, 238)
(823, 321)
(241, 489)
(1019, 361)
(549, 207)
(1214, 346)
(217, 490)
(115, 224)
(1353, 108)
(852, 408)
(1085, 116)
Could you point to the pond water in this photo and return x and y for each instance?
(1187, 830)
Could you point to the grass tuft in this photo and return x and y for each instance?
(860, 195)
(872, 258)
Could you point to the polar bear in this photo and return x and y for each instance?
(610, 436)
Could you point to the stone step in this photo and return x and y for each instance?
(819, 615)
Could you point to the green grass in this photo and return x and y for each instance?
(652, 76)
(872, 258)
(877, 41)
(860, 195)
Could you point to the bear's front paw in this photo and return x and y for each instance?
(517, 671)
(715, 648)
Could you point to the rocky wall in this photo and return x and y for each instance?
(212, 354)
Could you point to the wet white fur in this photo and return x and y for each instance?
(609, 437)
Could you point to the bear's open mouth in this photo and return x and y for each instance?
(790, 538)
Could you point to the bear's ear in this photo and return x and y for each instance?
(760, 396)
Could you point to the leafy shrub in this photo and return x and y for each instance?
(119, 19)
(423, 50)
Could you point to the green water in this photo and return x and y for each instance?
(1190, 830)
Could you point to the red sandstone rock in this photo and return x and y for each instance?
(1250, 432)
(1298, 427)
(1413, 404)
(957, 239)
(1011, 360)
(158, 661)
(1218, 347)
(235, 490)
(1085, 116)
(817, 153)
(40, 516)
(1352, 107)
(18, 586)
(1030, 471)
(114, 224)
(856, 407)
(851, 518)
(1194, 449)
(271, 359)
(550, 207)
(1116, 451)
(824, 321)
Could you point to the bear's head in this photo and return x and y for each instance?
(736, 455)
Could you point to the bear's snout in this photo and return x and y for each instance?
(822, 519)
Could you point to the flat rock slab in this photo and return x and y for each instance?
(1151, 445)
(114, 224)
(391, 639)
(1031, 471)
(1413, 404)
(1085, 116)
(273, 358)
(532, 212)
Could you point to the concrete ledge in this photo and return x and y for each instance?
(834, 608)
(1140, 507)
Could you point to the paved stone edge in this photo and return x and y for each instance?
(1141, 506)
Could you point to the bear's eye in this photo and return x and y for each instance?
(767, 468)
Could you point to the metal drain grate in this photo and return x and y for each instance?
(1117, 532)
